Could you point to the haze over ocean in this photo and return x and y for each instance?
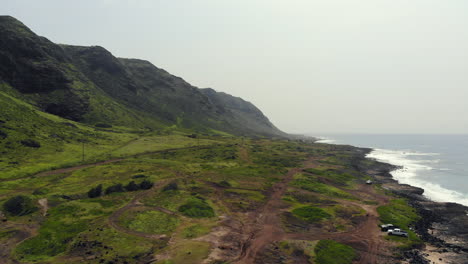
(436, 163)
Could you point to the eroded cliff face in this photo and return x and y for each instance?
(91, 85)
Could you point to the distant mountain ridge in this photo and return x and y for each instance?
(90, 85)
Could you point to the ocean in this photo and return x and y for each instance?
(436, 163)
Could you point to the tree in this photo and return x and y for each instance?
(114, 188)
(172, 186)
(131, 186)
(146, 185)
(95, 192)
(19, 205)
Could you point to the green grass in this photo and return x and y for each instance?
(113, 244)
(332, 252)
(196, 208)
(311, 214)
(156, 143)
(333, 175)
(248, 194)
(188, 252)
(310, 183)
(195, 231)
(62, 226)
(399, 213)
(152, 222)
(247, 178)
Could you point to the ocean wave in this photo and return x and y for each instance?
(411, 168)
(325, 140)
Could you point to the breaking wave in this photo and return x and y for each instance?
(412, 168)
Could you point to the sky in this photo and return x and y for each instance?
(311, 66)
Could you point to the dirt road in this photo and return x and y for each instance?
(264, 226)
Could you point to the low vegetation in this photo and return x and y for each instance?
(332, 252)
(19, 205)
(311, 214)
(197, 208)
(312, 183)
(152, 222)
(399, 213)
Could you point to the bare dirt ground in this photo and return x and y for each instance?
(43, 203)
(19, 233)
(251, 233)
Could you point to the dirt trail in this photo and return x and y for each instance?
(366, 237)
(135, 202)
(114, 217)
(263, 227)
(20, 232)
(265, 224)
(43, 203)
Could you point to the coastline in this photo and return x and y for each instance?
(443, 225)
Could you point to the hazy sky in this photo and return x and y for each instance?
(396, 66)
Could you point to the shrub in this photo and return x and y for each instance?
(103, 125)
(19, 205)
(95, 192)
(172, 186)
(3, 135)
(30, 143)
(311, 214)
(332, 252)
(114, 188)
(196, 208)
(224, 183)
(138, 176)
(131, 186)
(146, 185)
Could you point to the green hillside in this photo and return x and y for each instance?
(90, 85)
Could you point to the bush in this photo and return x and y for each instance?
(19, 205)
(171, 187)
(311, 214)
(95, 192)
(332, 252)
(131, 186)
(30, 143)
(196, 208)
(114, 188)
(3, 135)
(224, 183)
(103, 125)
(146, 185)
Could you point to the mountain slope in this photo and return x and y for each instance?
(90, 85)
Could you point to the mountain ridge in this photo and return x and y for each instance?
(90, 85)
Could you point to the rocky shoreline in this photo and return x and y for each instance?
(443, 226)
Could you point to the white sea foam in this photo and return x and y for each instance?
(326, 140)
(412, 168)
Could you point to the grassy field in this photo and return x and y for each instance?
(198, 183)
(332, 252)
(399, 213)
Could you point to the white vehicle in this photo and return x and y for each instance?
(397, 232)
